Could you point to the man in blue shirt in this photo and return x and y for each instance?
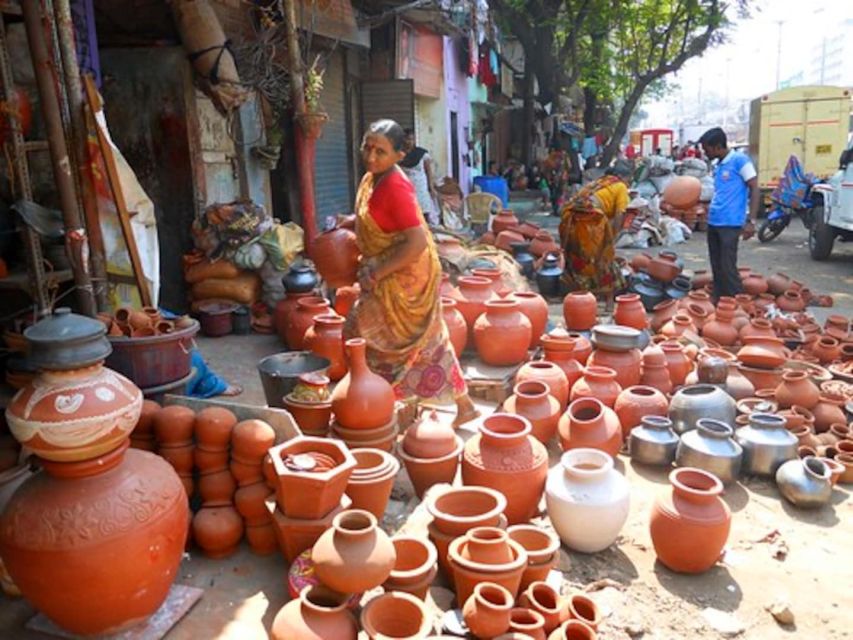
(733, 210)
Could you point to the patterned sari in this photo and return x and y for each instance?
(587, 238)
(407, 340)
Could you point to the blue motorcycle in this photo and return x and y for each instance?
(791, 198)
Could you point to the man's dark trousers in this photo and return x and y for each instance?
(722, 249)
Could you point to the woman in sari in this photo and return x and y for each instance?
(399, 310)
(589, 222)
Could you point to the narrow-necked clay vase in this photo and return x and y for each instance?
(589, 423)
(580, 310)
(486, 612)
(629, 312)
(318, 614)
(597, 382)
(549, 373)
(690, 525)
(502, 334)
(586, 488)
(506, 457)
(634, 403)
(532, 400)
(797, 388)
(355, 555)
(535, 308)
(456, 325)
(362, 399)
(396, 615)
(326, 339)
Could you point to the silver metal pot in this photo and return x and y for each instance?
(653, 442)
(766, 444)
(693, 402)
(710, 447)
(805, 483)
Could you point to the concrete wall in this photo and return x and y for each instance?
(431, 130)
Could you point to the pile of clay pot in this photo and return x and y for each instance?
(221, 460)
(140, 323)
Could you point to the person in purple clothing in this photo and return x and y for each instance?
(733, 211)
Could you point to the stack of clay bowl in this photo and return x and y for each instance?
(250, 441)
(415, 568)
(311, 476)
(430, 451)
(310, 404)
(372, 480)
(173, 429)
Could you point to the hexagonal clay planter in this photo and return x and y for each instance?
(315, 477)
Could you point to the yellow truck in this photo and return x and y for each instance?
(811, 122)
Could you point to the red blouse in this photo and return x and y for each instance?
(393, 204)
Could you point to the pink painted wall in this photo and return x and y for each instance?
(456, 88)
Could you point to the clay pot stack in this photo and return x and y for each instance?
(310, 404)
(173, 429)
(142, 436)
(430, 451)
(250, 441)
(372, 479)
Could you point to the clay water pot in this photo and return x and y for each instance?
(797, 388)
(472, 295)
(682, 192)
(250, 440)
(505, 239)
(355, 555)
(487, 611)
(296, 536)
(636, 402)
(326, 339)
(505, 219)
(698, 316)
(486, 554)
(757, 327)
(589, 423)
(173, 425)
(580, 310)
(250, 503)
(362, 399)
(662, 313)
(543, 242)
(532, 400)
(284, 308)
(829, 411)
(754, 284)
(561, 351)
(628, 365)
(415, 567)
(543, 551)
(494, 276)
(827, 349)
(629, 312)
(502, 334)
(535, 308)
(791, 301)
(345, 299)
(213, 427)
(701, 298)
(217, 529)
(583, 347)
(549, 373)
(456, 325)
(677, 362)
(760, 378)
(720, 329)
(677, 325)
(506, 457)
(597, 382)
(318, 614)
(837, 326)
(640, 261)
(396, 615)
(302, 318)
(778, 283)
(336, 255)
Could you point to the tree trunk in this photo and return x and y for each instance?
(590, 102)
(527, 131)
(621, 129)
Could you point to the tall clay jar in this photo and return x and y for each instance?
(456, 325)
(302, 318)
(690, 525)
(502, 334)
(629, 312)
(580, 310)
(506, 457)
(362, 399)
(597, 382)
(318, 614)
(471, 296)
(589, 424)
(535, 308)
(326, 338)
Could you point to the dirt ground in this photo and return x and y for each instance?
(776, 554)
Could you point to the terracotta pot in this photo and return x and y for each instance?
(535, 308)
(396, 615)
(698, 315)
(755, 284)
(318, 614)
(336, 255)
(262, 539)
(829, 411)
(250, 503)
(778, 283)
(505, 219)
(583, 347)
(549, 373)
(846, 461)
(757, 327)
(345, 299)
(311, 417)
(284, 308)
(486, 554)
(173, 425)
(217, 529)
(573, 630)
(213, 427)
(426, 472)
(628, 365)
(487, 611)
(677, 362)
(701, 279)
(326, 339)
(597, 382)
(676, 326)
(355, 555)
(662, 313)
(527, 623)
(460, 509)
(504, 456)
(629, 312)
(588, 423)
(216, 487)
(456, 325)
(761, 378)
(429, 437)
(415, 567)
(827, 349)
(584, 609)
(362, 399)
(636, 402)
(180, 457)
(720, 329)
(371, 481)
(837, 326)
(296, 535)
(561, 351)
(790, 301)
(640, 261)
(700, 298)
(690, 526)
(502, 334)
(495, 278)
(547, 602)
(473, 293)
(580, 310)
(542, 549)
(250, 441)
(682, 192)
(797, 388)
(532, 400)
(543, 242)
(662, 269)
(145, 424)
(302, 318)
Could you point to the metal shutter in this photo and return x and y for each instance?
(332, 171)
(394, 99)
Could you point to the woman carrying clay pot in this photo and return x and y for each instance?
(399, 310)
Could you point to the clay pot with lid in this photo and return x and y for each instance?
(690, 525)
(797, 388)
(597, 382)
(634, 403)
(487, 611)
(318, 614)
(486, 554)
(549, 373)
(456, 325)
(396, 615)
(336, 255)
(629, 312)
(302, 318)
(588, 423)
(506, 457)
(532, 400)
(415, 567)
(362, 399)
(580, 310)
(326, 339)
(430, 451)
(471, 297)
(533, 306)
(502, 334)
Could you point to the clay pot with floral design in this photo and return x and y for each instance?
(597, 382)
(502, 334)
(588, 423)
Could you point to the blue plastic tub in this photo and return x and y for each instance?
(495, 185)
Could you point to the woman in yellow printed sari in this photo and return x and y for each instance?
(399, 310)
(589, 222)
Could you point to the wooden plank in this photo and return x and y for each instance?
(95, 104)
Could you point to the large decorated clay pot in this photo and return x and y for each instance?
(119, 520)
(471, 297)
(506, 457)
(580, 310)
(634, 403)
(690, 525)
(586, 488)
(354, 555)
(75, 408)
(533, 306)
(588, 423)
(318, 614)
(629, 312)
(326, 339)
(456, 325)
(336, 255)
(362, 399)
(549, 373)
(502, 334)
(628, 365)
(533, 400)
(597, 382)
(302, 318)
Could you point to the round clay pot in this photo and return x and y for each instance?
(505, 239)
(429, 437)
(682, 192)
(371, 481)
(547, 602)
(173, 425)
(543, 242)
(636, 402)
(486, 554)
(362, 399)
(460, 509)
(318, 614)
(249, 502)
(487, 611)
(213, 428)
(415, 567)
(494, 276)
(302, 318)
(472, 295)
(396, 615)
(597, 382)
(250, 440)
(502, 334)
(533, 306)
(580, 310)
(677, 325)
(827, 349)
(589, 423)
(456, 325)
(505, 219)
(754, 284)
(354, 555)
(336, 255)
(326, 339)
(542, 549)
(504, 456)
(628, 365)
(797, 388)
(549, 373)
(640, 261)
(690, 526)
(629, 312)
(720, 329)
(829, 411)
(663, 270)
(284, 308)
(145, 423)
(677, 362)
(583, 347)
(210, 459)
(216, 487)
(217, 529)
(532, 400)
(662, 313)
(180, 457)
(527, 623)
(791, 301)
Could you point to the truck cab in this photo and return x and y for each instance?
(833, 212)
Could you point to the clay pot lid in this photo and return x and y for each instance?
(67, 340)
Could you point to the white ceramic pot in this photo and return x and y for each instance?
(587, 500)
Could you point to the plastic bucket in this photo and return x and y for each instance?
(155, 360)
(280, 372)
